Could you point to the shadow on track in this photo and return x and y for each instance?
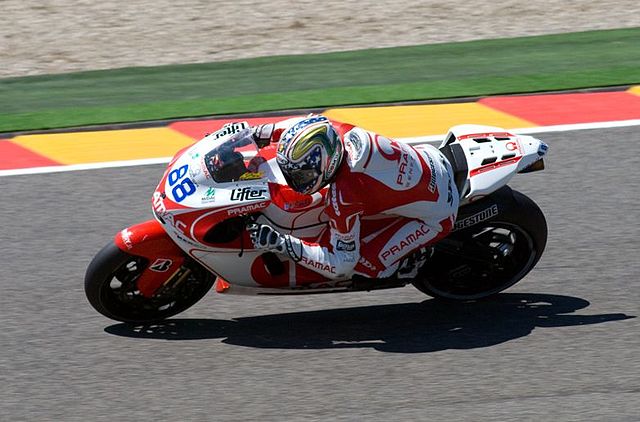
(402, 328)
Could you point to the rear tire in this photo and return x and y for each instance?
(490, 256)
(110, 286)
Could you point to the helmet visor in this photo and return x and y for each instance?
(302, 180)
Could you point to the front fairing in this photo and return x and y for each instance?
(194, 195)
(217, 172)
(202, 205)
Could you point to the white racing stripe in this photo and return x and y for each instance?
(412, 140)
(88, 166)
(537, 129)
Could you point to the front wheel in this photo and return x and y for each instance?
(111, 288)
(489, 256)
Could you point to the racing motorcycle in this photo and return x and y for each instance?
(213, 189)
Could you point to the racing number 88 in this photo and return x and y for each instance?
(185, 187)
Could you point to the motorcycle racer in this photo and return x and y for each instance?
(367, 176)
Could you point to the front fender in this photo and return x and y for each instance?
(164, 258)
(146, 239)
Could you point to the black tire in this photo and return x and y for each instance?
(483, 258)
(110, 286)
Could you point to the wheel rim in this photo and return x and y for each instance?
(491, 258)
(121, 297)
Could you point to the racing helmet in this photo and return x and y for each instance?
(309, 154)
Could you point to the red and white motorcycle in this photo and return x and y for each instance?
(214, 188)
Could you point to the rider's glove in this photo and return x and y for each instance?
(267, 238)
(262, 134)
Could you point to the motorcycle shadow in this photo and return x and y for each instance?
(429, 326)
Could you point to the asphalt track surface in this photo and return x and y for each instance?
(561, 345)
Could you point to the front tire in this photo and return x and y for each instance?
(110, 287)
(490, 256)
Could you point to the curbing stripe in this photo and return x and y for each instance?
(411, 140)
(415, 123)
(559, 109)
(14, 156)
(418, 120)
(98, 147)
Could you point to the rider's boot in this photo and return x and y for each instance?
(410, 265)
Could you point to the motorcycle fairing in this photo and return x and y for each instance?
(191, 201)
(494, 155)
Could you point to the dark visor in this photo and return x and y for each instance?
(299, 180)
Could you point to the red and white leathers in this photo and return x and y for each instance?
(380, 178)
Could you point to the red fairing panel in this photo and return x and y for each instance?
(149, 240)
(146, 239)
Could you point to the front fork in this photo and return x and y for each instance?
(164, 258)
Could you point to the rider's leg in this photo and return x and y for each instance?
(383, 252)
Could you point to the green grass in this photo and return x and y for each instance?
(527, 64)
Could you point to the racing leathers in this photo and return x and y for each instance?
(404, 195)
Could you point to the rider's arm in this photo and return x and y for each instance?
(343, 252)
(337, 259)
(340, 258)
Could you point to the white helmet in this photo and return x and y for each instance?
(309, 154)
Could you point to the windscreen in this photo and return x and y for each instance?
(231, 160)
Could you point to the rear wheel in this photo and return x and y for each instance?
(490, 256)
(111, 288)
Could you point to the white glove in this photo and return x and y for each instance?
(262, 134)
(267, 238)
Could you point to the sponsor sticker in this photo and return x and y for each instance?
(248, 193)
(205, 170)
(432, 169)
(399, 248)
(367, 264)
(403, 164)
(252, 176)
(126, 238)
(194, 172)
(336, 159)
(483, 215)
(292, 131)
(209, 195)
(346, 246)
(229, 128)
(161, 265)
(302, 203)
(247, 209)
(511, 146)
(317, 265)
(354, 145)
(334, 199)
(165, 217)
